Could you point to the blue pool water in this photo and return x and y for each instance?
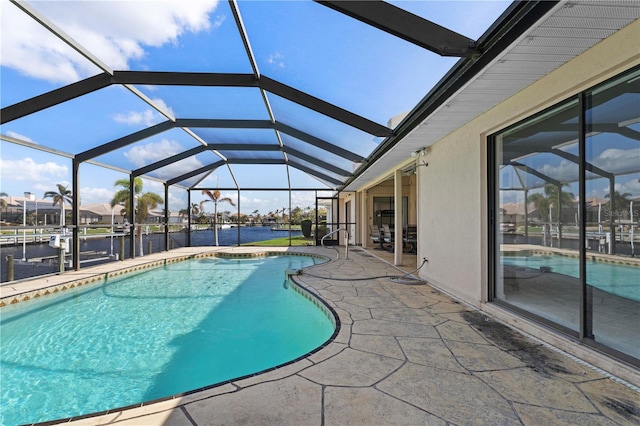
(154, 334)
(621, 280)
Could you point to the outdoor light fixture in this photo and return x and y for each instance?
(418, 156)
(420, 153)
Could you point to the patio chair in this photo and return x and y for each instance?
(375, 235)
(410, 239)
(387, 235)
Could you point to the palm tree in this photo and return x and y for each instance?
(199, 208)
(63, 194)
(255, 216)
(214, 196)
(183, 213)
(144, 202)
(296, 214)
(3, 203)
(193, 211)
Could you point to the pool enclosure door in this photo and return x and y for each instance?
(327, 221)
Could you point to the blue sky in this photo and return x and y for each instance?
(299, 43)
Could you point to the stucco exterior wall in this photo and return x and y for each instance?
(449, 220)
(452, 198)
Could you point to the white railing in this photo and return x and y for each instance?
(346, 245)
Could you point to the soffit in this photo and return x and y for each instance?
(562, 34)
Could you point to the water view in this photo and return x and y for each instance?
(40, 257)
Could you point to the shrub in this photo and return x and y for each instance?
(306, 228)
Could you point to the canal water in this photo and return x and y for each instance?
(95, 251)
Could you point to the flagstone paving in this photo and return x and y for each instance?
(405, 355)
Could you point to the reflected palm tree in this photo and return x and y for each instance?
(550, 198)
(215, 197)
(620, 201)
(541, 204)
(63, 194)
(144, 202)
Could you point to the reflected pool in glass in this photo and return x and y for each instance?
(621, 280)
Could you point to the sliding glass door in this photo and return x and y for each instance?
(565, 198)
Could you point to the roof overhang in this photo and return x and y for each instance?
(552, 32)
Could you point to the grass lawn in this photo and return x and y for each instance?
(299, 240)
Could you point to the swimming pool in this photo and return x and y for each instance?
(621, 280)
(161, 332)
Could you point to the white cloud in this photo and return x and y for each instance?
(28, 170)
(163, 106)
(116, 32)
(617, 160)
(149, 185)
(566, 171)
(31, 49)
(211, 181)
(179, 168)
(217, 23)
(303, 199)
(176, 204)
(153, 151)
(95, 195)
(148, 117)
(12, 134)
(41, 187)
(276, 59)
(630, 185)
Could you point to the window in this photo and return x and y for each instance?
(383, 208)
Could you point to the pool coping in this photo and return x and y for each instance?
(29, 289)
(22, 296)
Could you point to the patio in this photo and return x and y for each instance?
(405, 354)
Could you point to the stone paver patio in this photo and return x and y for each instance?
(405, 355)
